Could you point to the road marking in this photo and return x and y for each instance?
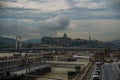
(102, 74)
(117, 67)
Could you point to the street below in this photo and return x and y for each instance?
(109, 71)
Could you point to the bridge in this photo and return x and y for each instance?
(71, 49)
(51, 49)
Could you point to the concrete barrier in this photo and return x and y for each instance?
(85, 73)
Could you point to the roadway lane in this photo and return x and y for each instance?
(91, 77)
(109, 71)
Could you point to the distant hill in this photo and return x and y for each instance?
(6, 42)
(116, 42)
(32, 41)
(9, 42)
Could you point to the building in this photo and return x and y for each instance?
(58, 41)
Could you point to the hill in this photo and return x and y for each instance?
(32, 41)
(116, 42)
(9, 42)
(6, 42)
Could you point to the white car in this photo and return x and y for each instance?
(96, 75)
(98, 71)
(109, 60)
(98, 64)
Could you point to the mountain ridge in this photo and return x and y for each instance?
(7, 42)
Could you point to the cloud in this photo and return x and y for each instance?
(57, 23)
(9, 0)
(51, 26)
(37, 18)
(43, 28)
(88, 4)
(13, 29)
(47, 6)
(74, 9)
(114, 4)
(101, 29)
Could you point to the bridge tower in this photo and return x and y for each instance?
(18, 42)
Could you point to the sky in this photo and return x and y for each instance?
(30, 19)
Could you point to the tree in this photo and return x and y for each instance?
(107, 51)
(78, 69)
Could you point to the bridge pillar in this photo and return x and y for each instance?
(18, 42)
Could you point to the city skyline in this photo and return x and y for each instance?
(77, 18)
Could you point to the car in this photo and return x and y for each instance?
(116, 60)
(96, 75)
(97, 67)
(109, 61)
(98, 63)
(97, 71)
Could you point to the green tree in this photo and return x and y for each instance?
(107, 51)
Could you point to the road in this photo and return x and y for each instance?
(109, 71)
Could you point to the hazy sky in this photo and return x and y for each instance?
(78, 18)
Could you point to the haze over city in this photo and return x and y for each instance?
(77, 18)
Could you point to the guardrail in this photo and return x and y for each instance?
(85, 73)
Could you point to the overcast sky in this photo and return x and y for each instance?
(78, 18)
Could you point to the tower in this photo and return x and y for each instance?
(18, 42)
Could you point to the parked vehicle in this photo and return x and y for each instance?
(97, 71)
(109, 60)
(96, 75)
(98, 63)
(116, 60)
